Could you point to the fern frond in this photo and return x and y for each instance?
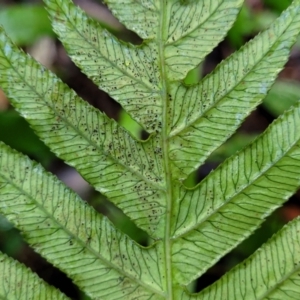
(189, 228)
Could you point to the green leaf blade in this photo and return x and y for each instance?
(272, 272)
(128, 73)
(145, 19)
(216, 216)
(71, 235)
(190, 229)
(18, 282)
(70, 127)
(194, 29)
(205, 115)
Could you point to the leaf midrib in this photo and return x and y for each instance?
(162, 35)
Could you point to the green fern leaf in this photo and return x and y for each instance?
(251, 185)
(270, 273)
(71, 234)
(212, 111)
(189, 228)
(63, 120)
(29, 285)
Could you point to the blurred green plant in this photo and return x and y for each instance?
(26, 141)
(282, 96)
(25, 23)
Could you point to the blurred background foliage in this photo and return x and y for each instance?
(27, 24)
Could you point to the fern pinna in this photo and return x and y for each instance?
(189, 228)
